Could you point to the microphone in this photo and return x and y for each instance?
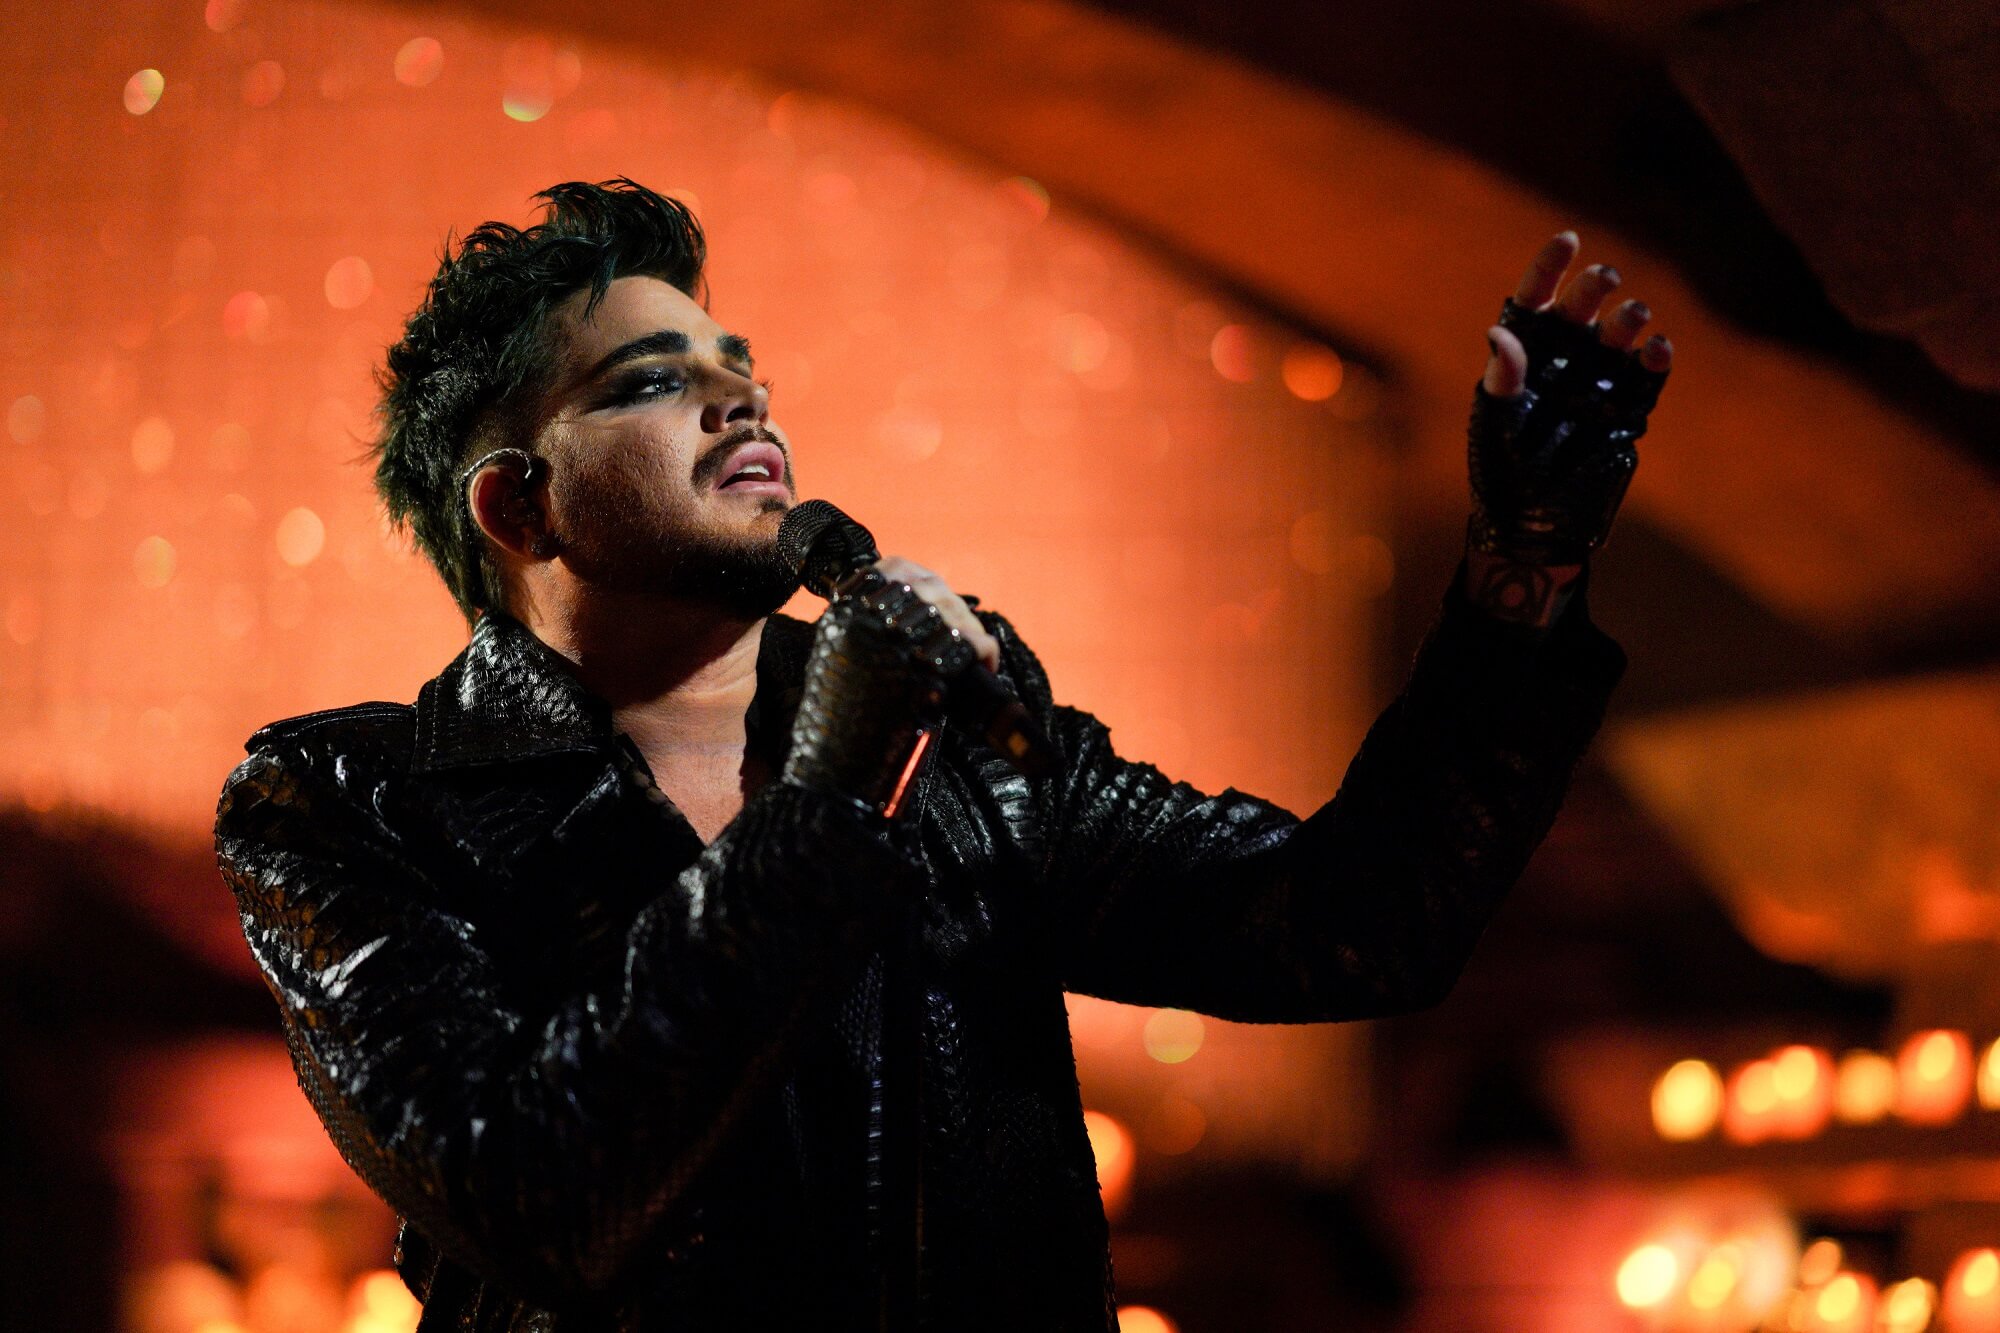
(825, 546)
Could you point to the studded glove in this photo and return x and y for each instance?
(877, 674)
(1550, 467)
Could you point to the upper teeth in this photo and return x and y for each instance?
(748, 469)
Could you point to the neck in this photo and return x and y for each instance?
(679, 676)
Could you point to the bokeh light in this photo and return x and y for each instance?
(301, 536)
(1802, 1078)
(1907, 1306)
(1312, 372)
(143, 91)
(1846, 1304)
(349, 282)
(419, 61)
(1934, 1077)
(153, 562)
(152, 445)
(1648, 1277)
(1989, 1077)
(1144, 1319)
(27, 418)
(1111, 1148)
(1864, 1088)
(1687, 1101)
(1972, 1292)
(1172, 1036)
(1750, 1113)
(1230, 352)
(262, 83)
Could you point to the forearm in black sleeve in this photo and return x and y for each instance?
(1227, 904)
(538, 1148)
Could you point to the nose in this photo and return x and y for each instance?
(737, 399)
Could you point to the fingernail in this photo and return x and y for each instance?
(1610, 274)
(1641, 312)
(1568, 235)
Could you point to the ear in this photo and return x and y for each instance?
(508, 504)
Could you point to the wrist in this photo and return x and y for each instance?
(1516, 590)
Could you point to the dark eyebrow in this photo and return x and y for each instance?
(670, 342)
(666, 342)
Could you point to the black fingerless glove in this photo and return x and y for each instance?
(879, 664)
(1550, 467)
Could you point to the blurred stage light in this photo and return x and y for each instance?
(1864, 1088)
(1933, 1077)
(1687, 1100)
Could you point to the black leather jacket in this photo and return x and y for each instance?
(614, 1080)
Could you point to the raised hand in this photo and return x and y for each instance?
(881, 657)
(1555, 419)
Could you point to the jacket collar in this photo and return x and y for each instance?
(509, 697)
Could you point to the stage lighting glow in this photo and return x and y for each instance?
(1172, 1036)
(1750, 1115)
(419, 61)
(1647, 1277)
(247, 315)
(1312, 372)
(301, 536)
(27, 417)
(153, 562)
(1907, 1307)
(1846, 1304)
(1864, 1089)
(1229, 351)
(1802, 1077)
(349, 282)
(1989, 1078)
(1715, 1278)
(152, 445)
(143, 90)
(262, 83)
(1933, 1077)
(1078, 342)
(1111, 1146)
(1144, 1319)
(1820, 1262)
(1687, 1101)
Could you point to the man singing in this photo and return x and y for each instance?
(655, 971)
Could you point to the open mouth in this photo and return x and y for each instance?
(758, 465)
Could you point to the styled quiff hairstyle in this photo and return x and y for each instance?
(476, 354)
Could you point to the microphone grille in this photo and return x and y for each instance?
(801, 527)
(820, 542)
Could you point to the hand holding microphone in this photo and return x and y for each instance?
(885, 664)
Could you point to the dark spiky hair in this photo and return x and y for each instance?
(476, 353)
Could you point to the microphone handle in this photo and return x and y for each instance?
(980, 701)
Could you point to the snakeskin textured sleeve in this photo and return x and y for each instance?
(536, 1145)
(1232, 906)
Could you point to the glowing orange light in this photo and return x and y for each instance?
(1972, 1292)
(1864, 1088)
(1079, 342)
(1820, 1261)
(26, 419)
(152, 445)
(262, 83)
(153, 562)
(1230, 353)
(1648, 1276)
(1687, 1101)
(378, 1302)
(1933, 1077)
(247, 315)
(524, 106)
(1172, 1036)
(1715, 1279)
(1026, 195)
(222, 15)
(1144, 1319)
(1111, 1146)
(1751, 1113)
(301, 537)
(1312, 372)
(1846, 1304)
(1802, 1076)
(419, 62)
(143, 90)
(349, 282)
(1989, 1078)
(1907, 1307)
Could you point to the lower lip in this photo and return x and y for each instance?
(759, 487)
